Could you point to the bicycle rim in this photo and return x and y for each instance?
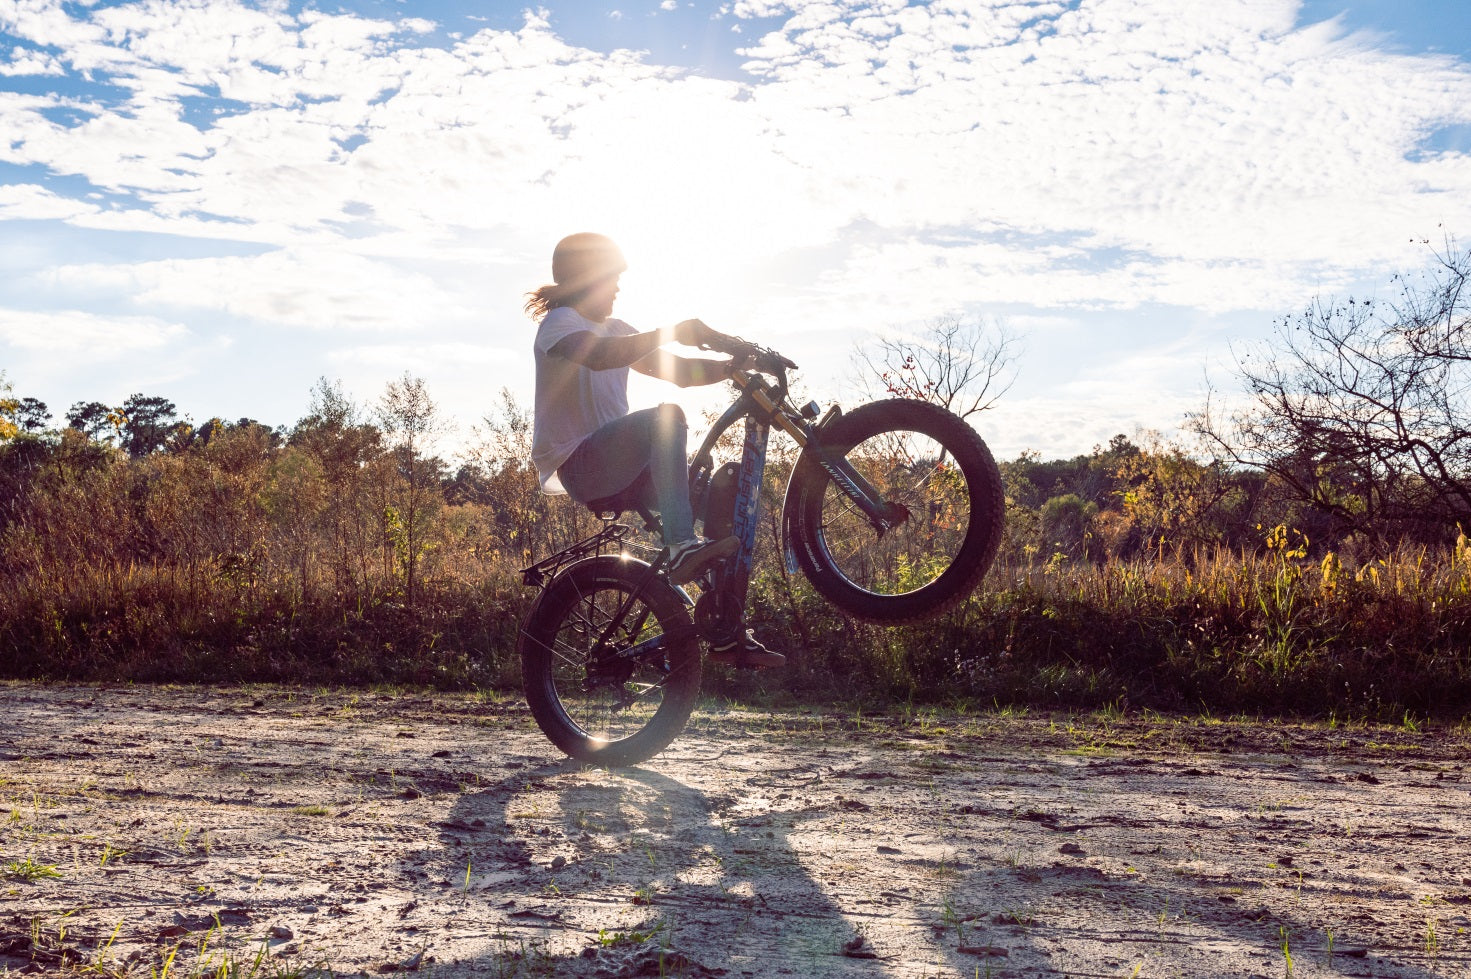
(914, 471)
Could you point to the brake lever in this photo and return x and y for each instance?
(773, 362)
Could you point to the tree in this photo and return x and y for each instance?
(1361, 408)
(1066, 525)
(8, 408)
(1172, 499)
(411, 424)
(95, 420)
(962, 365)
(31, 415)
(149, 423)
(342, 445)
(335, 432)
(275, 437)
(216, 427)
(525, 522)
(1094, 476)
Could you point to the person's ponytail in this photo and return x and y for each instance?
(541, 301)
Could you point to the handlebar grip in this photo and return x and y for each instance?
(771, 362)
(766, 361)
(734, 346)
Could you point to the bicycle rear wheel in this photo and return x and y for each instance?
(608, 688)
(937, 473)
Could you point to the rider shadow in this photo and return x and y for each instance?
(579, 866)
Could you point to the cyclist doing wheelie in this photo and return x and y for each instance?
(893, 513)
(585, 441)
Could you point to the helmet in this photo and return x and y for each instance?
(580, 260)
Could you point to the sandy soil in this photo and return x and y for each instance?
(380, 833)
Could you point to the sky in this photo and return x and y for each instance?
(223, 202)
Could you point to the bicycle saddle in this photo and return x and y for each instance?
(630, 498)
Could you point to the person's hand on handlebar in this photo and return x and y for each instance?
(744, 354)
(740, 362)
(694, 333)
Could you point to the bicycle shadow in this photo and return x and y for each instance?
(590, 868)
(767, 852)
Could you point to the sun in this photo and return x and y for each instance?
(676, 271)
(699, 220)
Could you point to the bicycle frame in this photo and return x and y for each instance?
(760, 405)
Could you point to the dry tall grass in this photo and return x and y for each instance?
(1275, 630)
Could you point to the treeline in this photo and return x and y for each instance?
(1352, 425)
(344, 549)
(1154, 500)
(339, 548)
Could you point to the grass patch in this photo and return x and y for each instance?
(30, 871)
(311, 811)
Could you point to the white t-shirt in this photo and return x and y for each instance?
(572, 402)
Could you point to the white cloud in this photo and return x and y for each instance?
(316, 289)
(747, 9)
(1193, 133)
(1205, 136)
(29, 202)
(431, 358)
(30, 63)
(882, 163)
(82, 335)
(1060, 426)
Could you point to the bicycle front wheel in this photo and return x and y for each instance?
(937, 475)
(611, 670)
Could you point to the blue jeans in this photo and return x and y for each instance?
(611, 459)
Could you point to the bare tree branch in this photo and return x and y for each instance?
(962, 365)
(1361, 408)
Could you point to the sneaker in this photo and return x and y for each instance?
(745, 652)
(689, 558)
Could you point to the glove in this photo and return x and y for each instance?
(694, 333)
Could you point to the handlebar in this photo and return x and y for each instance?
(762, 359)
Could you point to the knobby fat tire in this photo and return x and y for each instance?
(554, 606)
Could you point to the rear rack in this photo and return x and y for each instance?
(620, 534)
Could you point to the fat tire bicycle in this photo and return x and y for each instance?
(893, 512)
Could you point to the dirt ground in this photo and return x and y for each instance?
(376, 833)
